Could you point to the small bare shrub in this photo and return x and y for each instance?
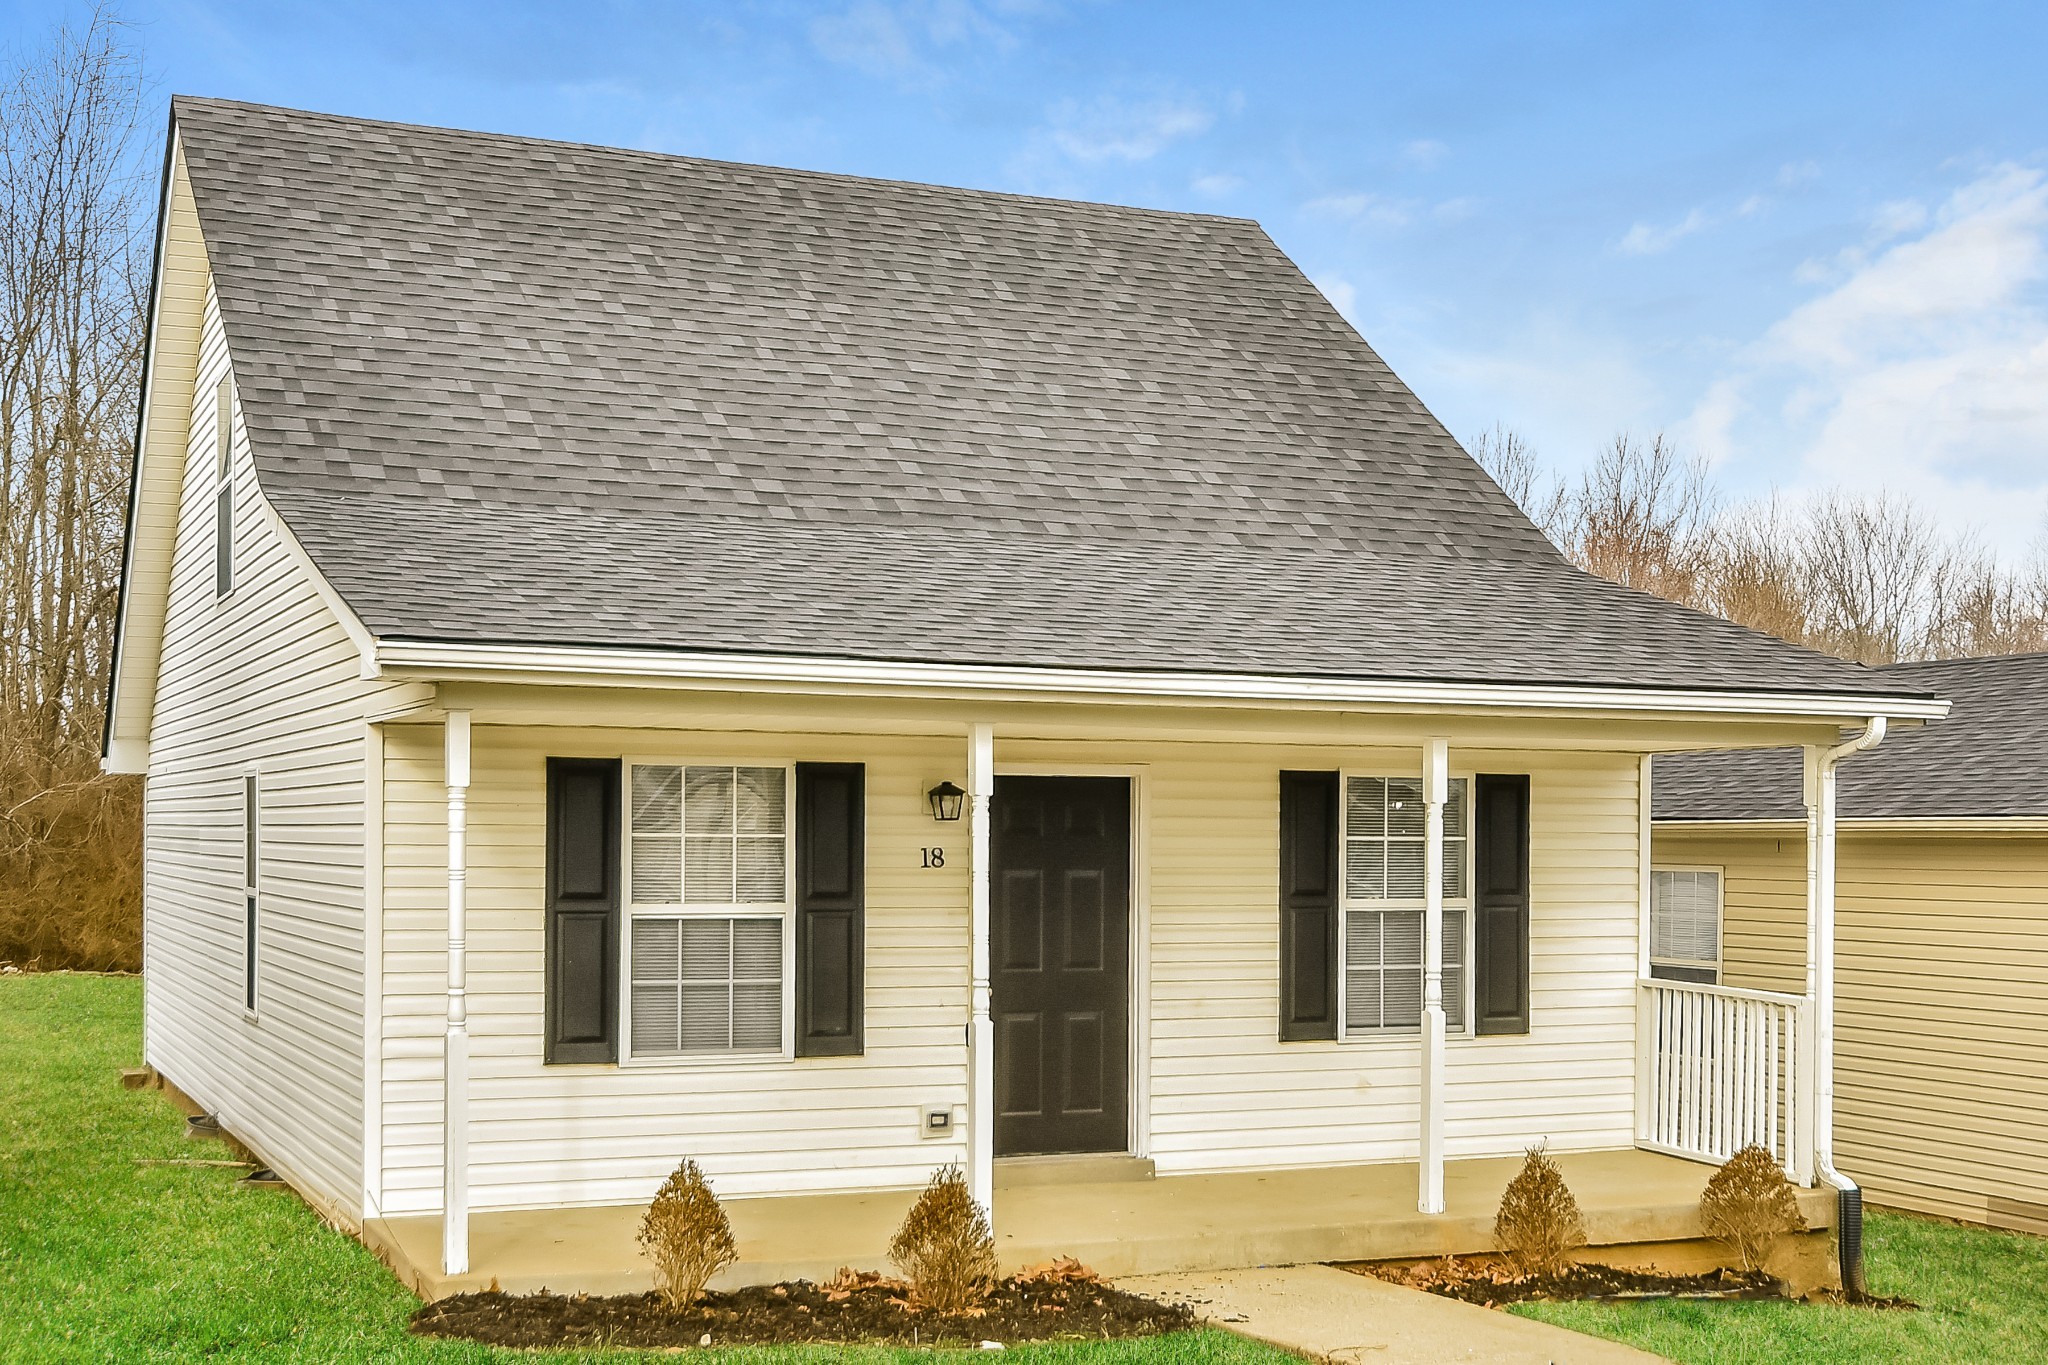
(1538, 1225)
(945, 1246)
(1749, 1204)
(687, 1236)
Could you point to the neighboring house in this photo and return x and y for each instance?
(573, 594)
(1942, 965)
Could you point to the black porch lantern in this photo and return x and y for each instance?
(946, 799)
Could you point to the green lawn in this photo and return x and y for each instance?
(1983, 1296)
(102, 1259)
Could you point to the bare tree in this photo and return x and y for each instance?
(1755, 576)
(1979, 607)
(1642, 515)
(71, 279)
(1867, 578)
(1872, 570)
(1504, 455)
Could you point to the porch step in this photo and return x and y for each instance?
(1088, 1168)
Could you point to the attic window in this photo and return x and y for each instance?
(223, 488)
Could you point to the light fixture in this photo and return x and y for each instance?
(946, 799)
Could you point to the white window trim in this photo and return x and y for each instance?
(1720, 920)
(249, 900)
(1345, 904)
(786, 912)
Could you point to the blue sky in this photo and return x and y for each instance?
(1810, 241)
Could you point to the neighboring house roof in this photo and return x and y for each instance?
(1987, 760)
(505, 390)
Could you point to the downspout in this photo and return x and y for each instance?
(1821, 823)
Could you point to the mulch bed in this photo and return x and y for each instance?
(1490, 1283)
(1061, 1301)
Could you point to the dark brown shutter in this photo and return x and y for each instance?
(582, 1005)
(1501, 933)
(831, 900)
(1308, 906)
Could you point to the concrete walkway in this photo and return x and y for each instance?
(1333, 1315)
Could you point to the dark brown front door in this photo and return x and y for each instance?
(1060, 952)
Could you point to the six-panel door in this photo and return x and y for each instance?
(1061, 901)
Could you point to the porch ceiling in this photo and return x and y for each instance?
(1125, 1227)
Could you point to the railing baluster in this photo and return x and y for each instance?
(1723, 1071)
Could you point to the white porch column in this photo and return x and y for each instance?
(981, 1029)
(455, 1112)
(1435, 788)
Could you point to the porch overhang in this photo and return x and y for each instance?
(442, 661)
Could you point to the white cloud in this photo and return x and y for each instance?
(1922, 369)
(1217, 186)
(1898, 218)
(1363, 208)
(1112, 128)
(903, 40)
(1645, 240)
(1796, 174)
(1425, 152)
(1341, 293)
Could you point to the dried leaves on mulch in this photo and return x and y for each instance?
(1491, 1283)
(1060, 1300)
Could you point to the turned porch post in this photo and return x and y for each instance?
(981, 1034)
(1435, 790)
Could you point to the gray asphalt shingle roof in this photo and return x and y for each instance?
(523, 391)
(1988, 759)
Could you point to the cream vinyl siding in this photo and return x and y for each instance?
(1224, 1093)
(264, 681)
(1942, 1013)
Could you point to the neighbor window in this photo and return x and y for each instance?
(1381, 943)
(249, 846)
(223, 489)
(708, 877)
(1685, 924)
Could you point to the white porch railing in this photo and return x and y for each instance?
(1718, 1069)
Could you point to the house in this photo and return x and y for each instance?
(1943, 932)
(638, 657)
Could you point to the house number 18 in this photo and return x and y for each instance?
(934, 857)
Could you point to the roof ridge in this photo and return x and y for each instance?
(838, 177)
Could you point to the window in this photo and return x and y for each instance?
(223, 489)
(1685, 924)
(249, 844)
(708, 882)
(1383, 849)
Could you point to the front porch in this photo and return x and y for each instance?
(1637, 1205)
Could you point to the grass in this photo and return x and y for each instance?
(103, 1259)
(1983, 1296)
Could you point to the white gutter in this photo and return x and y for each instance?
(1820, 797)
(577, 665)
(1990, 826)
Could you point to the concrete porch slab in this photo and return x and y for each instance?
(1119, 1227)
(1330, 1315)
